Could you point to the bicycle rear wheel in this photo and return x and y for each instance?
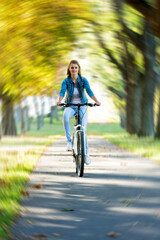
(80, 155)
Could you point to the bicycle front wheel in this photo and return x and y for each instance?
(80, 155)
(74, 155)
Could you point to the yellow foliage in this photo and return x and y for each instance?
(35, 38)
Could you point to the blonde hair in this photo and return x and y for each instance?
(74, 62)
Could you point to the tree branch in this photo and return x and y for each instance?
(103, 45)
(144, 8)
(136, 38)
(118, 93)
(150, 13)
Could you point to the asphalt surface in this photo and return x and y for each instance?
(118, 197)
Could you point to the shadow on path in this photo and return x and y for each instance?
(120, 193)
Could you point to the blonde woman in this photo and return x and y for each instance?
(74, 86)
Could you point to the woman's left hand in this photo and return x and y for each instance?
(98, 103)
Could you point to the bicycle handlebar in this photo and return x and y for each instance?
(78, 104)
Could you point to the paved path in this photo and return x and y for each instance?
(119, 196)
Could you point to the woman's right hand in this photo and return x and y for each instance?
(58, 103)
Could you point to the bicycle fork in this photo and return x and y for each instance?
(78, 128)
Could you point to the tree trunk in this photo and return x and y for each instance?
(8, 121)
(122, 115)
(42, 112)
(38, 117)
(129, 108)
(157, 135)
(149, 84)
(0, 123)
(22, 119)
(137, 106)
(133, 100)
(0, 131)
(28, 119)
(147, 114)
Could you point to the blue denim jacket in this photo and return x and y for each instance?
(68, 87)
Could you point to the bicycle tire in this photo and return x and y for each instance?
(74, 155)
(80, 155)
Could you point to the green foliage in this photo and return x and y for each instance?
(18, 158)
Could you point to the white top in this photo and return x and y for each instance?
(76, 97)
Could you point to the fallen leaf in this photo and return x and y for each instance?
(10, 237)
(41, 235)
(67, 210)
(113, 234)
(57, 234)
(27, 193)
(36, 186)
(18, 215)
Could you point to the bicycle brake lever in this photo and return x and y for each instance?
(90, 104)
(62, 104)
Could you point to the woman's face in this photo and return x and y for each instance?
(73, 68)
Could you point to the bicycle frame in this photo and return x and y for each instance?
(78, 141)
(78, 128)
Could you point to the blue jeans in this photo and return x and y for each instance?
(69, 112)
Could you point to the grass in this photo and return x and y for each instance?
(143, 146)
(56, 128)
(18, 157)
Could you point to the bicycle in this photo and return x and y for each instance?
(78, 138)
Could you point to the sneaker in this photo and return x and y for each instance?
(87, 160)
(69, 146)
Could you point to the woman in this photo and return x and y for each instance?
(74, 86)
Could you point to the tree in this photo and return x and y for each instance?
(146, 43)
(138, 81)
(150, 11)
(128, 69)
(34, 36)
(157, 135)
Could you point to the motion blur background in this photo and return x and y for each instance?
(116, 43)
